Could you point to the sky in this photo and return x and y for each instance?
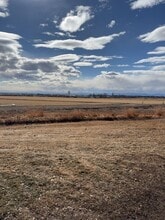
(85, 46)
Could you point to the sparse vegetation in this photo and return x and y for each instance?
(41, 116)
(108, 165)
(90, 170)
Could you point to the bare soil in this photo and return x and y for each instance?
(86, 170)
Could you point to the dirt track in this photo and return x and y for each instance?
(88, 170)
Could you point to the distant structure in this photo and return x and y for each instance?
(69, 93)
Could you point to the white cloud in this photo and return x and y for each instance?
(3, 3)
(15, 66)
(66, 58)
(159, 68)
(157, 51)
(104, 65)
(10, 50)
(92, 43)
(123, 65)
(94, 58)
(103, 1)
(48, 33)
(155, 36)
(139, 66)
(111, 24)
(43, 25)
(131, 81)
(4, 8)
(152, 60)
(107, 75)
(75, 19)
(9, 43)
(59, 33)
(145, 3)
(81, 64)
(60, 65)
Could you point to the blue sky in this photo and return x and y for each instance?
(85, 46)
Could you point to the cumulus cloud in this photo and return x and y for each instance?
(157, 51)
(54, 66)
(4, 8)
(138, 4)
(152, 60)
(154, 36)
(111, 24)
(75, 19)
(92, 43)
(41, 69)
(104, 65)
(13, 65)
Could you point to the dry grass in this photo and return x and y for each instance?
(88, 170)
(67, 101)
(34, 114)
(160, 112)
(41, 116)
(132, 113)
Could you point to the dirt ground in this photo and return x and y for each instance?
(86, 170)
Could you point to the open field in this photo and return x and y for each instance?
(110, 164)
(69, 101)
(85, 170)
(28, 110)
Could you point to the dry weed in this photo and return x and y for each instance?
(159, 112)
(131, 113)
(34, 113)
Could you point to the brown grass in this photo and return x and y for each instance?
(34, 114)
(41, 116)
(89, 170)
(131, 113)
(67, 101)
(160, 112)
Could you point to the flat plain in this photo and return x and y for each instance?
(99, 169)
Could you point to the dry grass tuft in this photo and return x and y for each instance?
(34, 113)
(160, 112)
(131, 113)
